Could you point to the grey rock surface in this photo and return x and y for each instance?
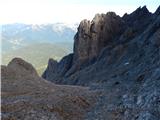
(116, 60)
(121, 60)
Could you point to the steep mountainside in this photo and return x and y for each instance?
(116, 61)
(119, 56)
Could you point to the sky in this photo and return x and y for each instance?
(65, 11)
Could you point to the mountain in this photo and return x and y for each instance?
(120, 56)
(112, 74)
(38, 54)
(18, 35)
(36, 43)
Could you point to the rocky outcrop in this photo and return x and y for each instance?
(58, 70)
(93, 36)
(157, 11)
(136, 23)
(90, 39)
(26, 96)
(122, 61)
(116, 58)
(51, 69)
(19, 66)
(104, 31)
(138, 18)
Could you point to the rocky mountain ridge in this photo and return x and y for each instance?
(116, 60)
(108, 31)
(119, 56)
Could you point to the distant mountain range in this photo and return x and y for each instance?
(18, 35)
(38, 54)
(37, 43)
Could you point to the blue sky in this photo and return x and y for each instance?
(68, 11)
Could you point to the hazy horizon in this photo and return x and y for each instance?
(61, 11)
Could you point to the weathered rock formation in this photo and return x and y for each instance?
(119, 56)
(117, 59)
(93, 36)
(105, 31)
(90, 39)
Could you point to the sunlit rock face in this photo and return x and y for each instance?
(93, 36)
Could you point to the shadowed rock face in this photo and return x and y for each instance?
(51, 69)
(120, 56)
(90, 39)
(105, 31)
(157, 11)
(58, 70)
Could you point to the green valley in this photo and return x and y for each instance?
(38, 54)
